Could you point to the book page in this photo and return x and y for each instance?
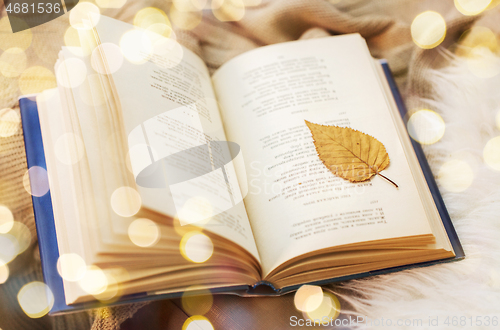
(177, 145)
(295, 204)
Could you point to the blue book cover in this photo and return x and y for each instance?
(47, 238)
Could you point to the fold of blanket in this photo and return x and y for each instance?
(382, 23)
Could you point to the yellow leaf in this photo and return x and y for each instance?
(349, 154)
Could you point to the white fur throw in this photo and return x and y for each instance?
(470, 107)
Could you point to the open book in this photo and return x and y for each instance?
(149, 198)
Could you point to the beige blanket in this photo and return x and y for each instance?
(385, 24)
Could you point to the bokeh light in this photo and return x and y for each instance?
(144, 232)
(6, 219)
(198, 303)
(94, 281)
(455, 175)
(21, 39)
(197, 322)
(111, 3)
(196, 247)
(426, 126)
(113, 56)
(71, 267)
(4, 272)
(36, 299)
(71, 72)
(36, 79)
(112, 289)
(491, 153)
(471, 7)
(72, 40)
(136, 46)
(36, 181)
(81, 12)
(21, 236)
(329, 309)
(428, 29)
(477, 36)
(126, 201)
(150, 16)
(168, 48)
(8, 248)
(13, 62)
(162, 30)
(185, 19)
(228, 10)
(308, 298)
(9, 122)
(195, 210)
(483, 63)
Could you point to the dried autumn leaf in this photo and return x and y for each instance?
(348, 153)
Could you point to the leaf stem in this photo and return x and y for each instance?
(389, 180)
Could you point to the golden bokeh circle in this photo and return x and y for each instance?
(72, 41)
(136, 46)
(6, 219)
(197, 322)
(8, 248)
(81, 12)
(471, 7)
(126, 201)
(36, 181)
(197, 301)
(328, 309)
(483, 63)
(71, 72)
(71, 267)
(36, 79)
(94, 281)
(4, 272)
(144, 232)
(308, 297)
(426, 126)
(455, 175)
(196, 247)
(197, 210)
(21, 39)
(228, 10)
(36, 299)
(428, 29)
(22, 237)
(477, 36)
(149, 16)
(9, 122)
(491, 153)
(13, 62)
(112, 290)
(113, 55)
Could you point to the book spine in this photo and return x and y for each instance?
(42, 205)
